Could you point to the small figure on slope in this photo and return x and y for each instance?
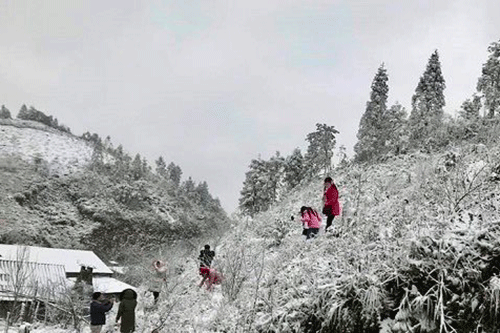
(210, 277)
(159, 278)
(206, 257)
(311, 221)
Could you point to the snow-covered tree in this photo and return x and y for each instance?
(263, 185)
(470, 108)
(427, 103)
(371, 134)
(5, 113)
(320, 150)
(294, 169)
(161, 167)
(188, 186)
(174, 173)
(395, 129)
(23, 112)
(489, 82)
(137, 170)
(251, 200)
(275, 174)
(203, 193)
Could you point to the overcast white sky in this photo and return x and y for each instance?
(211, 84)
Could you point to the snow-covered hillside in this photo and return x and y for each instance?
(61, 152)
(417, 247)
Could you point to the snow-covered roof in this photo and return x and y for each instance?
(26, 280)
(107, 285)
(72, 260)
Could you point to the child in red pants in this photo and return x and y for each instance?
(210, 277)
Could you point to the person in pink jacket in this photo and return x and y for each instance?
(310, 219)
(331, 199)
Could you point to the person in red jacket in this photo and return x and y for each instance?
(311, 221)
(331, 199)
(210, 277)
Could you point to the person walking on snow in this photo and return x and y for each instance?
(159, 278)
(126, 310)
(206, 256)
(211, 276)
(331, 201)
(311, 221)
(98, 309)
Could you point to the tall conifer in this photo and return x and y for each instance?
(427, 103)
(371, 134)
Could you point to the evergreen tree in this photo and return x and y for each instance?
(146, 168)
(203, 194)
(107, 145)
(427, 103)
(263, 184)
(252, 200)
(274, 175)
(96, 160)
(371, 134)
(489, 82)
(5, 113)
(294, 169)
(161, 167)
(395, 129)
(122, 163)
(320, 150)
(174, 173)
(188, 186)
(23, 113)
(470, 108)
(137, 172)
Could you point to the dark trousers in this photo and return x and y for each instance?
(329, 221)
(312, 232)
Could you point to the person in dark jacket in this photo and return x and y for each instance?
(206, 256)
(331, 199)
(98, 308)
(126, 310)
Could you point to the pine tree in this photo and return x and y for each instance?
(5, 113)
(161, 167)
(146, 168)
(395, 129)
(489, 82)
(122, 163)
(320, 150)
(137, 172)
(174, 173)
(371, 134)
(294, 169)
(252, 199)
(23, 113)
(188, 186)
(427, 104)
(203, 193)
(470, 108)
(275, 173)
